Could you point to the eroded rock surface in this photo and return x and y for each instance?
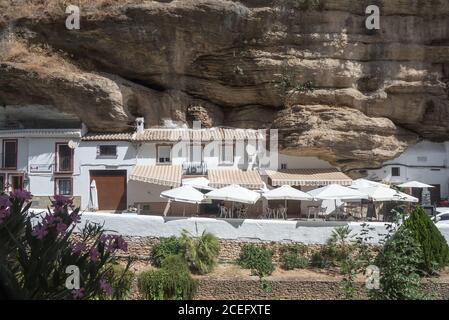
(244, 64)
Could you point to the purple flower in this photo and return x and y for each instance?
(5, 202)
(76, 217)
(21, 195)
(39, 232)
(61, 228)
(106, 287)
(114, 242)
(78, 293)
(4, 213)
(78, 247)
(94, 254)
(59, 202)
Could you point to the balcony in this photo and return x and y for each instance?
(194, 168)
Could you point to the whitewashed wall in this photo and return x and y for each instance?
(244, 230)
(426, 162)
(87, 153)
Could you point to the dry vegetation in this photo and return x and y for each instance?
(15, 9)
(36, 57)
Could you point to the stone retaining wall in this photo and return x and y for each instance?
(141, 248)
(291, 289)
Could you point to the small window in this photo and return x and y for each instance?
(63, 186)
(395, 171)
(2, 182)
(9, 159)
(107, 151)
(227, 153)
(444, 217)
(64, 158)
(283, 166)
(164, 154)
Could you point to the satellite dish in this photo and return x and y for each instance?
(251, 150)
(73, 144)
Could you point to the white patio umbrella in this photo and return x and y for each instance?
(415, 184)
(379, 193)
(93, 196)
(286, 193)
(198, 183)
(426, 198)
(234, 193)
(185, 194)
(337, 192)
(364, 183)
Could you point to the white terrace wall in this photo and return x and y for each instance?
(242, 230)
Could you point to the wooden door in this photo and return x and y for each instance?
(111, 189)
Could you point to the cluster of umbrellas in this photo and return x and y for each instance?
(361, 189)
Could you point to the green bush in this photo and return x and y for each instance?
(120, 279)
(258, 259)
(399, 263)
(336, 251)
(171, 282)
(201, 252)
(166, 247)
(435, 251)
(292, 257)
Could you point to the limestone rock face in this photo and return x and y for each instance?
(243, 63)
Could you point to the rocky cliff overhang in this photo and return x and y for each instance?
(352, 96)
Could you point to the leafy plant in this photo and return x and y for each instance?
(120, 279)
(292, 257)
(37, 249)
(399, 263)
(165, 248)
(200, 252)
(172, 282)
(258, 259)
(435, 251)
(288, 82)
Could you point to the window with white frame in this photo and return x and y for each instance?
(64, 158)
(9, 156)
(63, 186)
(2, 182)
(395, 171)
(163, 154)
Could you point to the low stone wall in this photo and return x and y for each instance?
(291, 289)
(141, 248)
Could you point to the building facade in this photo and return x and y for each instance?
(426, 162)
(131, 169)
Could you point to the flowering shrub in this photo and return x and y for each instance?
(37, 249)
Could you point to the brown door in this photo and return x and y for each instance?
(111, 188)
(435, 194)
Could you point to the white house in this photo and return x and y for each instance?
(426, 162)
(132, 169)
(42, 161)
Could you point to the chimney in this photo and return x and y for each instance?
(140, 125)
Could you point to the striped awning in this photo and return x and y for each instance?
(308, 177)
(164, 175)
(219, 178)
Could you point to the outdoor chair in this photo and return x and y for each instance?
(224, 212)
(282, 213)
